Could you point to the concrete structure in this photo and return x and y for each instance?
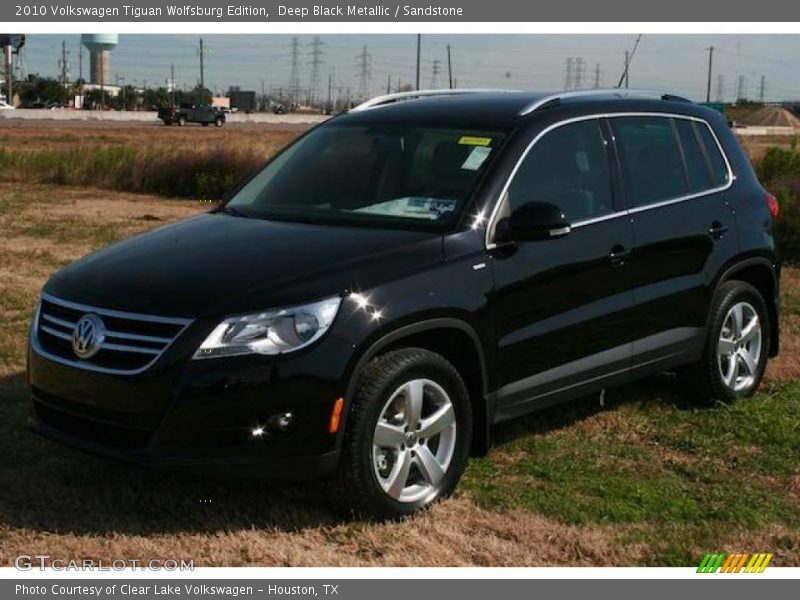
(100, 46)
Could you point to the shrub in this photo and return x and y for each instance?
(779, 172)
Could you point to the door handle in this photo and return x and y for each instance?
(717, 230)
(619, 255)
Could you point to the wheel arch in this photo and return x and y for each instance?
(762, 274)
(458, 342)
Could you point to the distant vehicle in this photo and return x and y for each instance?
(279, 109)
(192, 113)
(5, 105)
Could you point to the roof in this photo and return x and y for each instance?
(500, 109)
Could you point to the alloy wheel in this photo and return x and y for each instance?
(739, 347)
(414, 441)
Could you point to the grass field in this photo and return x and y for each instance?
(646, 480)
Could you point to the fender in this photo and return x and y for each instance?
(774, 309)
(485, 409)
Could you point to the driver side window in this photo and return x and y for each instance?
(568, 167)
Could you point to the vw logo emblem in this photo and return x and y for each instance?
(88, 336)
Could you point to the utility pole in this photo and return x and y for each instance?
(9, 74)
(80, 64)
(710, 68)
(64, 69)
(294, 76)
(316, 53)
(720, 88)
(449, 68)
(596, 75)
(419, 53)
(389, 83)
(761, 89)
(202, 73)
(172, 83)
(330, 87)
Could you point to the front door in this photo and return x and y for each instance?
(560, 305)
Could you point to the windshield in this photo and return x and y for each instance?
(385, 174)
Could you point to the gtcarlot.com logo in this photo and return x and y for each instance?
(28, 562)
(740, 562)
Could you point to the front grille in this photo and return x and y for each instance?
(132, 342)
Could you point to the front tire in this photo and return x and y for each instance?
(181, 121)
(737, 346)
(408, 436)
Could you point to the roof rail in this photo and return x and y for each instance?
(391, 98)
(621, 92)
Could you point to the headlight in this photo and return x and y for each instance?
(270, 332)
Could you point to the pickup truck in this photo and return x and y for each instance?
(192, 113)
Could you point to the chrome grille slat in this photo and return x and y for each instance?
(123, 348)
(68, 324)
(132, 342)
(138, 337)
(56, 333)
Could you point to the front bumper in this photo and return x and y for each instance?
(199, 415)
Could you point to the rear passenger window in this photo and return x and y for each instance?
(651, 159)
(719, 169)
(696, 163)
(568, 167)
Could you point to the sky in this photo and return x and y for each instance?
(677, 63)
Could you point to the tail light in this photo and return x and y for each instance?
(774, 206)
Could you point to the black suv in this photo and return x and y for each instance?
(407, 274)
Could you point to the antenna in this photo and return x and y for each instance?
(628, 61)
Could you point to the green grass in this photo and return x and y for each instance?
(673, 475)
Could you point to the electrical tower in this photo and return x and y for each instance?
(762, 89)
(294, 74)
(596, 75)
(741, 92)
(316, 61)
(720, 88)
(364, 72)
(568, 78)
(580, 68)
(437, 68)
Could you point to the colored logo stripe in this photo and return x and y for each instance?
(734, 563)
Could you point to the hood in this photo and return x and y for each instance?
(219, 264)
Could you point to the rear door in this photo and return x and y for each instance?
(561, 305)
(675, 179)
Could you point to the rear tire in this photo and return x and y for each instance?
(219, 122)
(408, 434)
(737, 345)
(181, 121)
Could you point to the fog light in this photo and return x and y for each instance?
(281, 421)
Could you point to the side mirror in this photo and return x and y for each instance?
(533, 221)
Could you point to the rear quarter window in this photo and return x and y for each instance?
(719, 168)
(651, 159)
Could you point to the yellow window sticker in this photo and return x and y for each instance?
(468, 140)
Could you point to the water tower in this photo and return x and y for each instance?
(100, 46)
